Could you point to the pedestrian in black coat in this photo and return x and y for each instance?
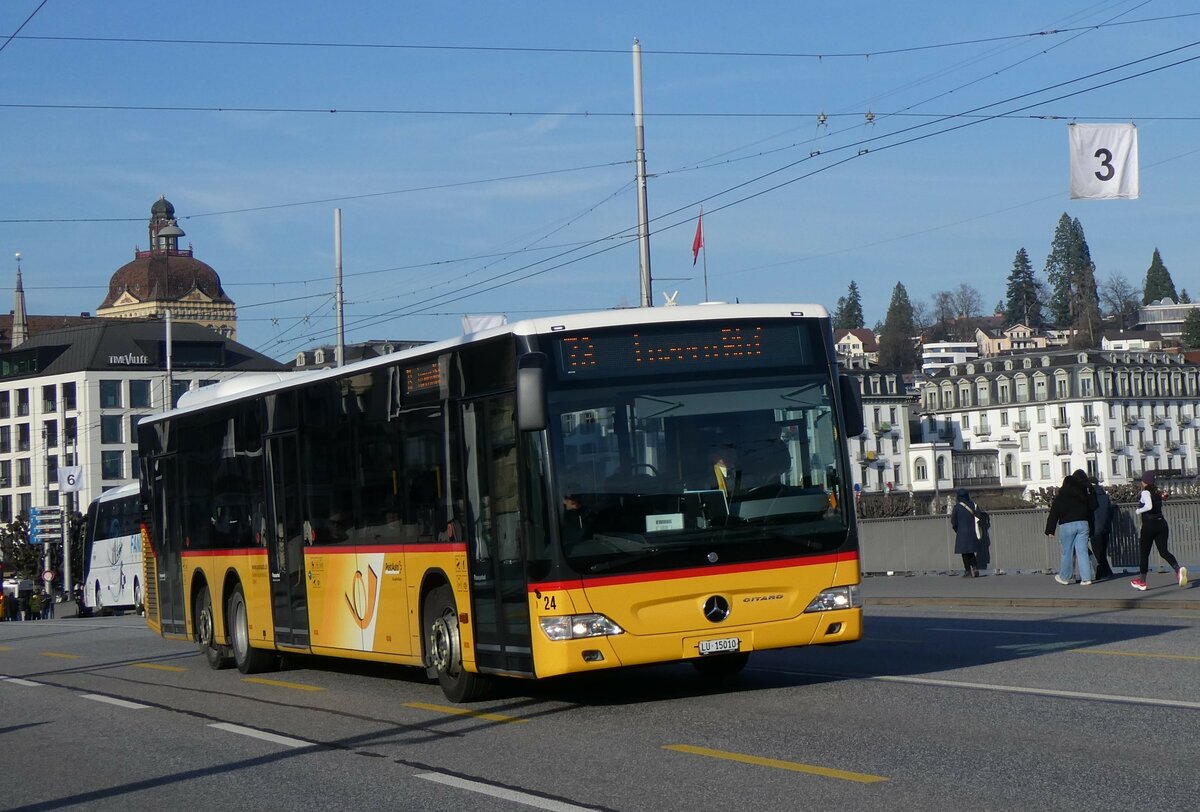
(969, 523)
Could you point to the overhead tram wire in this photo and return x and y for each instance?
(623, 52)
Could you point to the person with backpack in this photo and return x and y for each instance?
(1102, 523)
(969, 524)
(1072, 512)
(1154, 533)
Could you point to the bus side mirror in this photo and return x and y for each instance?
(852, 414)
(531, 391)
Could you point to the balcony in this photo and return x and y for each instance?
(1091, 420)
(1119, 448)
(977, 482)
(1091, 448)
(1160, 420)
(1063, 450)
(1133, 422)
(1184, 421)
(1174, 448)
(1147, 447)
(983, 430)
(1021, 425)
(1061, 422)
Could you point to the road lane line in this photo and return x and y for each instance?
(1113, 653)
(62, 656)
(1051, 692)
(992, 631)
(19, 681)
(295, 686)
(286, 741)
(503, 793)
(986, 686)
(8, 648)
(158, 667)
(491, 717)
(793, 766)
(112, 700)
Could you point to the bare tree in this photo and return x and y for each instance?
(968, 302)
(1121, 300)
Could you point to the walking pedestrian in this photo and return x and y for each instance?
(969, 524)
(1072, 512)
(1154, 533)
(1102, 523)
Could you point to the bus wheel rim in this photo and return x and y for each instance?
(444, 645)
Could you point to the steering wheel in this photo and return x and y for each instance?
(633, 468)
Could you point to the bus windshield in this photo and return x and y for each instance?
(657, 475)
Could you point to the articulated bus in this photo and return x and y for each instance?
(112, 551)
(553, 496)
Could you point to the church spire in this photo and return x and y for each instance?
(20, 320)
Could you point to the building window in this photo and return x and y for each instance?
(1066, 468)
(1004, 418)
(5, 410)
(110, 394)
(69, 431)
(5, 440)
(1043, 442)
(50, 398)
(5, 473)
(50, 433)
(23, 437)
(23, 472)
(68, 395)
(6, 508)
(1026, 472)
(135, 465)
(139, 394)
(1024, 442)
(22, 402)
(1045, 470)
(178, 388)
(133, 421)
(110, 428)
(52, 469)
(111, 466)
(920, 471)
(1008, 465)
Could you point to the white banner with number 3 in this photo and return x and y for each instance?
(1104, 161)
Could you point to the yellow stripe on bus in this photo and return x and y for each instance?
(794, 766)
(491, 717)
(61, 655)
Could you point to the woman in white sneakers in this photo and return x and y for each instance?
(1154, 533)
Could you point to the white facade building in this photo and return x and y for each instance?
(940, 354)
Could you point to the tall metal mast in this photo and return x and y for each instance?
(640, 145)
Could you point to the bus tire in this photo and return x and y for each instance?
(443, 649)
(137, 597)
(249, 660)
(721, 666)
(206, 630)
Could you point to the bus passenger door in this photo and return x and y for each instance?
(285, 552)
(167, 544)
(495, 553)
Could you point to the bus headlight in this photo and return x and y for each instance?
(843, 597)
(569, 627)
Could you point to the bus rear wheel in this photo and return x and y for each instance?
(249, 660)
(443, 649)
(206, 630)
(721, 666)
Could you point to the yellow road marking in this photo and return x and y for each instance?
(158, 667)
(794, 766)
(1136, 654)
(295, 686)
(61, 655)
(8, 648)
(491, 717)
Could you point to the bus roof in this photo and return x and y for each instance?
(255, 384)
(128, 489)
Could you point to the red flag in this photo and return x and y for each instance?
(698, 242)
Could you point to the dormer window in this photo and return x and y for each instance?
(300, 357)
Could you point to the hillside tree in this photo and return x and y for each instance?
(1191, 331)
(1158, 284)
(1023, 298)
(849, 312)
(897, 348)
(1121, 301)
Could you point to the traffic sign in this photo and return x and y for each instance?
(48, 576)
(45, 524)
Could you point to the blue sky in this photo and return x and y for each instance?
(470, 180)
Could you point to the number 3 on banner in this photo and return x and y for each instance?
(1104, 161)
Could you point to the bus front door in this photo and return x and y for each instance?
(167, 546)
(500, 611)
(285, 553)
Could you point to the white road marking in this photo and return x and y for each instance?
(19, 681)
(525, 798)
(993, 631)
(286, 741)
(112, 700)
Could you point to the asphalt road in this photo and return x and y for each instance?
(939, 708)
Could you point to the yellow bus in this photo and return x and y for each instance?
(553, 496)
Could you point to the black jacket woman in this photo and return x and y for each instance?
(968, 539)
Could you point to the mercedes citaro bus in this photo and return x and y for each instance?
(553, 496)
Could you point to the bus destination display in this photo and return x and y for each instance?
(718, 347)
(422, 378)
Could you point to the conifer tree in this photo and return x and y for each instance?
(849, 313)
(1069, 261)
(897, 349)
(1191, 330)
(1022, 303)
(1158, 284)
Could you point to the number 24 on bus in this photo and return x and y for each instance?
(553, 496)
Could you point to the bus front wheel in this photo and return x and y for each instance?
(249, 660)
(206, 629)
(443, 649)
